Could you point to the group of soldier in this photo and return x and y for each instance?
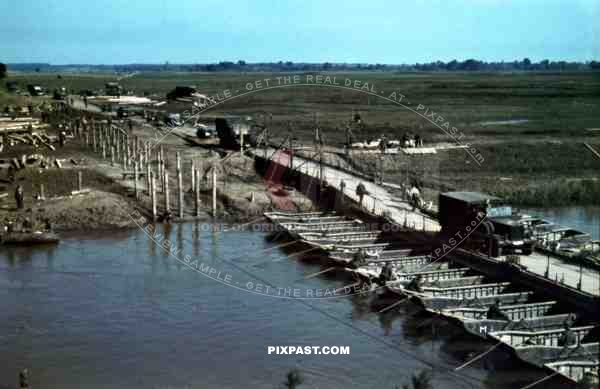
(411, 141)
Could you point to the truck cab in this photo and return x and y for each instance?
(485, 221)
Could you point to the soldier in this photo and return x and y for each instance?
(387, 274)
(415, 284)
(19, 197)
(568, 337)
(62, 137)
(418, 141)
(361, 191)
(383, 144)
(495, 313)
(167, 216)
(24, 379)
(47, 224)
(358, 259)
(27, 225)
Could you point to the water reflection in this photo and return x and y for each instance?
(114, 313)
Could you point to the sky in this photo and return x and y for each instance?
(356, 31)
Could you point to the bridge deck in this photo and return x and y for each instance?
(378, 201)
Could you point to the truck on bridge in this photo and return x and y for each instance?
(487, 222)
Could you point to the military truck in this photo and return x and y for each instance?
(485, 222)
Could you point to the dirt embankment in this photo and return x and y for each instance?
(107, 198)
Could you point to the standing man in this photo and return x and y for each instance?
(19, 197)
(24, 379)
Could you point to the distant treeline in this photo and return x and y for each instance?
(468, 65)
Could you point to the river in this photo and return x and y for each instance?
(115, 310)
(586, 219)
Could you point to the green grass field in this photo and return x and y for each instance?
(526, 162)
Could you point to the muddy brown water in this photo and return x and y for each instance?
(115, 310)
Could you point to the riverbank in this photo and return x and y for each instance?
(73, 187)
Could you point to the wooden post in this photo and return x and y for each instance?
(241, 141)
(161, 170)
(94, 144)
(193, 177)
(117, 143)
(162, 158)
(153, 191)
(148, 182)
(127, 152)
(42, 197)
(112, 155)
(166, 183)
(123, 158)
(214, 191)
(135, 179)
(197, 189)
(179, 185)
(79, 181)
(103, 150)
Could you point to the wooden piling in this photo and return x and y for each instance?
(153, 191)
(161, 155)
(127, 152)
(214, 191)
(94, 139)
(197, 189)
(79, 181)
(193, 188)
(42, 197)
(135, 180)
(179, 186)
(112, 155)
(117, 143)
(136, 148)
(161, 170)
(241, 141)
(148, 182)
(166, 182)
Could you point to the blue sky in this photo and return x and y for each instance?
(366, 31)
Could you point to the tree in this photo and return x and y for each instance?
(471, 65)
(2, 70)
(293, 379)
